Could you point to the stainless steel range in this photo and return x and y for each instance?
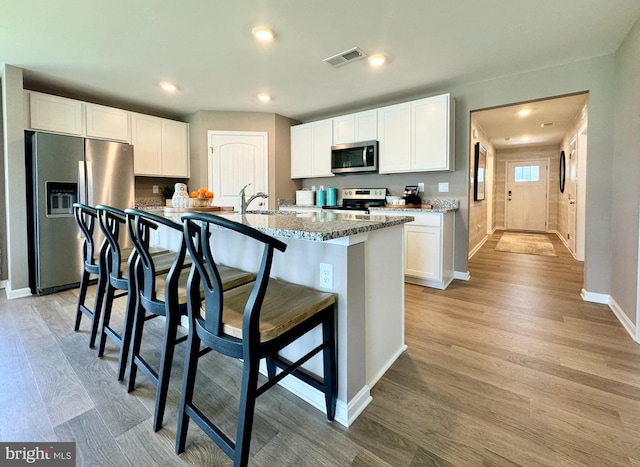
(358, 200)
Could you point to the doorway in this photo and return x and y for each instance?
(528, 131)
(238, 158)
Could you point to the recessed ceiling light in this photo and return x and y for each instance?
(377, 60)
(263, 33)
(264, 97)
(526, 138)
(524, 112)
(168, 87)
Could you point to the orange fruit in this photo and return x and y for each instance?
(194, 194)
(208, 194)
(202, 190)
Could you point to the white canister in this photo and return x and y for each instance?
(305, 198)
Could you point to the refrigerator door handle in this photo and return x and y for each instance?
(82, 188)
(89, 183)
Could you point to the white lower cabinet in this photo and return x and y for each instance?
(428, 247)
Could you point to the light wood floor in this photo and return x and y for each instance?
(509, 368)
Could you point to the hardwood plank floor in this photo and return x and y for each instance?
(510, 368)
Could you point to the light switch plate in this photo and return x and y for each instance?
(443, 187)
(421, 187)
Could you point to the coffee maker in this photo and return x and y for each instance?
(410, 195)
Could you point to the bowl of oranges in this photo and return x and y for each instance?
(200, 198)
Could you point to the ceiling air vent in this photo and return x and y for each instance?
(544, 125)
(347, 56)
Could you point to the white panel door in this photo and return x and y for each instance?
(237, 158)
(527, 195)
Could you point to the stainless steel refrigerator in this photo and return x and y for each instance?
(62, 170)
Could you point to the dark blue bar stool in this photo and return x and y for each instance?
(162, 295)
(92, 266)
(250, 322)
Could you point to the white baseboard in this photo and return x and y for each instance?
(564, 241)
(384, 369)
(623, 318)
(619, 313)
(346, 412)
(595, 297)
(463, 276)
(18, 293)
(478, 246)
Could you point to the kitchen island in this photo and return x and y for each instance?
(357, 257)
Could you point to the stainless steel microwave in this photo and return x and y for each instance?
(354, 157)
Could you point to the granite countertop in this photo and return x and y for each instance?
(437, 206)
(313, 226)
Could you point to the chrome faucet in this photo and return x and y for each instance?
(243, 203)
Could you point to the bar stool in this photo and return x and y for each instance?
(86, 219)
(249, 322)
(162, 296)
(120, 273)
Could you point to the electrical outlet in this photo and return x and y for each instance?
(421, 187)
(326, 276)
(156, 189)
(443, 187)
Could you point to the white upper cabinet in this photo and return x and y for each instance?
(311, 149)
(55, 114)
(416, 136)
(394, 136)
(353, 128)
(107, 122)
(430, 134)
(175, 148)
(160, 146)
(146, 137)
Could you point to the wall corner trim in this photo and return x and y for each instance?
(463, 276)
(18, 293)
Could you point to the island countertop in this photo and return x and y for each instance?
(313, 226)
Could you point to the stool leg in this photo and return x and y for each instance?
(170, 333)
(248, 395)
(188, 383)
(271, 367)
(97, 310)
(129, 316)
(106, 316)
(84, 283)
(330, 363)
(138, 327)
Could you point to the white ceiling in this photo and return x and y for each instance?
(118, 50)
(506, 128)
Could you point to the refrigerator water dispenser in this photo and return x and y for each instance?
(60, 198)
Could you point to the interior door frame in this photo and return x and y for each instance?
(506, 189)
(212, 133)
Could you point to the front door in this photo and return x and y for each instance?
(238, 158)
(527, 195)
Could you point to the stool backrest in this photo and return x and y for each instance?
(198, 239)
(139, 225)
(86, 219)
(110, 219)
